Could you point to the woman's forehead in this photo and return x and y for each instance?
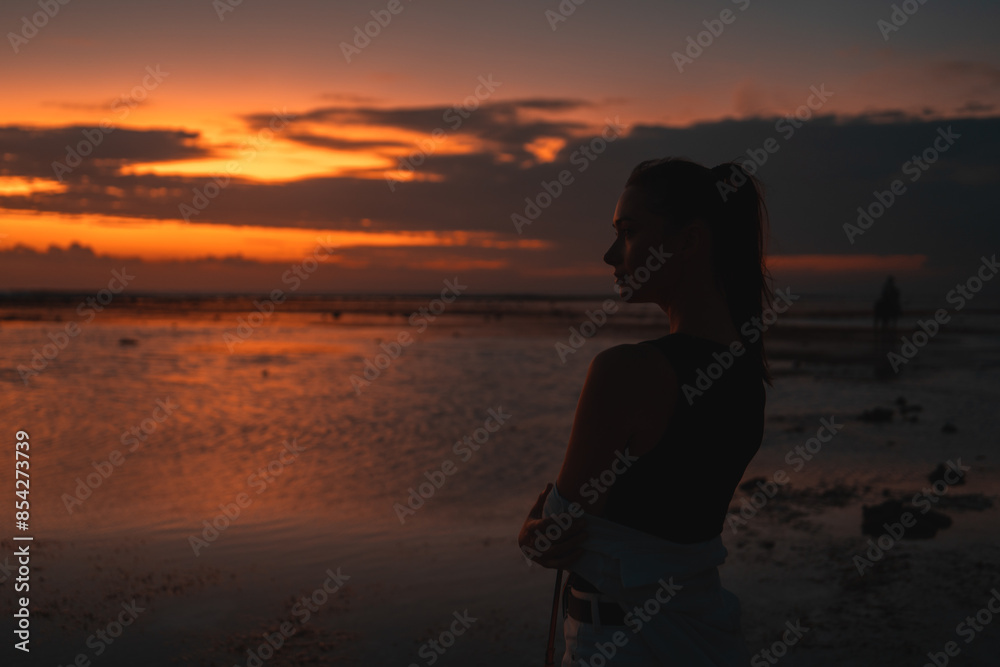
(634, 203)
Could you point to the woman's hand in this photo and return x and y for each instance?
(559, 546)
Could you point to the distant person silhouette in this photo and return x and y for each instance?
(655, 456)
(887, 308)
(886, 315)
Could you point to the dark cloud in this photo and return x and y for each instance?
(348, 97)
(29, 151)
(973, 106)
(340, 144)
(816, 181)
(358, 270)
(501, 124)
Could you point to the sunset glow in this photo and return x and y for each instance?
(174, 239)
(418, 149)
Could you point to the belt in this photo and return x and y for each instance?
(610, 613)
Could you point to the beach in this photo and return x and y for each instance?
(343, 483)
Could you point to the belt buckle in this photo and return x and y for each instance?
(595, 600)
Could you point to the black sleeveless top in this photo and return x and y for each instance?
(681, 489)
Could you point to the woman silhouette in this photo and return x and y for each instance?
(664, 429)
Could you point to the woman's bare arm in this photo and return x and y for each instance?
(624, 407)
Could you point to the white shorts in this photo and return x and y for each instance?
(595, 645)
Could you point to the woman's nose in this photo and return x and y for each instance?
(612, 254)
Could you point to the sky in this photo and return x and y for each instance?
(209, 146)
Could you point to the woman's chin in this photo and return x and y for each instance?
(628, 294)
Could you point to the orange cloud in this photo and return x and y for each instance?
(162, 240)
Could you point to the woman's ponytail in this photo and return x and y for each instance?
(732, 201)
(740, 246)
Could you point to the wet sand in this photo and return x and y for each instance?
(332, 509)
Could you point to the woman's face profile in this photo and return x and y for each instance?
(642, 274)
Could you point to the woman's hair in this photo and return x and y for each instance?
(731, 201)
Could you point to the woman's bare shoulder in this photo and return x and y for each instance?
(636, 367)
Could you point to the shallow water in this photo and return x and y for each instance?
(336, 502)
